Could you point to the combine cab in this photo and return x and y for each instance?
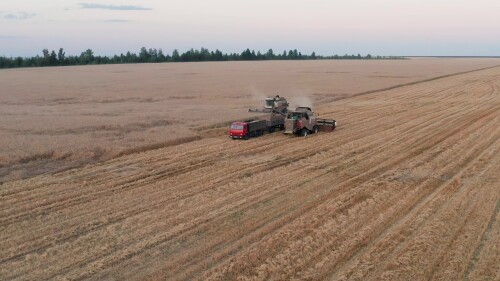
(303, 121)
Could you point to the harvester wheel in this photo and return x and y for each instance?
(315, 130)
(303, 133)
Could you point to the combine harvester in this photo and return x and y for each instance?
(301, 122)
(275, 110)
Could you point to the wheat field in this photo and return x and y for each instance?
(406, 188)
(53, 119)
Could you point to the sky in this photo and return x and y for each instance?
(382, 27)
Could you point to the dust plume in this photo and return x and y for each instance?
(299, 98)
(257, 95)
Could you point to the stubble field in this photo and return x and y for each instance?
(406, 188)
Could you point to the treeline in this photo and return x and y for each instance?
(153, 56)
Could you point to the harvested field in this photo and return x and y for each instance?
(52, 119)
(406, 188)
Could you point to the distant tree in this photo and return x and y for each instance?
(246, 55)
(270, 54)
(195, 54)
(53, 58)
(46, 57)
(72, 60)
(87, 57)
(128, 57)
(61, 56)
(175, 55)
(153, 55)
(190, 55)
(218, 56)
(204, 55)
(144, 55)
(19, 62)
(161, 56)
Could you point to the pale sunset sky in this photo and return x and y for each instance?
(385, 27)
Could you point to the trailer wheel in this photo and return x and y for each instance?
(303, 133)
(315, 129)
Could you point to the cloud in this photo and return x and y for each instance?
(116, 20)
(113, 7)
(17, 16)
(12, 37)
